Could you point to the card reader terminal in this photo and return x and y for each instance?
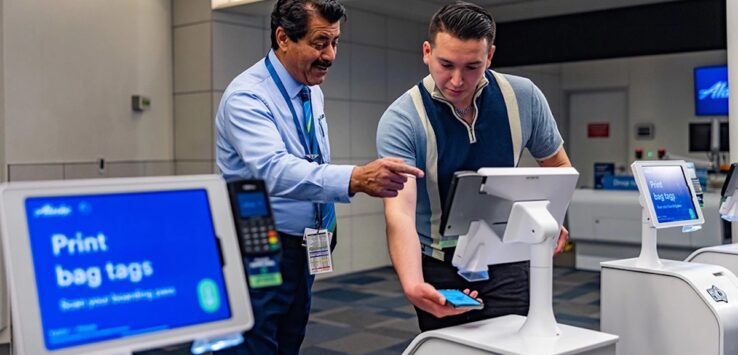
(257, 236)
(253, 218)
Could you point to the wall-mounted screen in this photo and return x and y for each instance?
(711, 91)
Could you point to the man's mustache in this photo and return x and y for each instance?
(322, 63)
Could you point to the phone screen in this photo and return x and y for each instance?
(458, 299)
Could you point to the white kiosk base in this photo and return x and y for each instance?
(500, 336)
(723, 255)
(674, 308)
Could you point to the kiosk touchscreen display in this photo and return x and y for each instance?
(111, 266)
(670, 194)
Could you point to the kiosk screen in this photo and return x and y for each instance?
(111, 266)
(669, 193)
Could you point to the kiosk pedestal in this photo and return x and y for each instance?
(530, 204)
(664, 306)
(677, 308)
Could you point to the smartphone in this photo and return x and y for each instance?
(458, 299)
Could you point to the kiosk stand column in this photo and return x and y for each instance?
(649, 253)
(531, 223)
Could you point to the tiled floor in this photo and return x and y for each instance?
(366, 312)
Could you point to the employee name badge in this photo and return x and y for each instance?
(318, 246)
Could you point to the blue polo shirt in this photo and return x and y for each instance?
(422, 128)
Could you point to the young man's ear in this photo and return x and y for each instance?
(426, 52)
(490, 55)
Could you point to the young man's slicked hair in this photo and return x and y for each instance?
(294, 16)
(464, 21)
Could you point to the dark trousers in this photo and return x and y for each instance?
(506, 292)
(280, 312)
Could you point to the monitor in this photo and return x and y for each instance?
(667, 192)
(121, 265)
(488, 195)
(711, 91)
(700, 137)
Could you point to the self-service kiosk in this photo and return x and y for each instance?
(504, 215)
(663, 306)
(113, 266)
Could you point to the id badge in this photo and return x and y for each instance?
(318, 247)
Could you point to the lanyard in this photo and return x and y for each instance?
(298, 126)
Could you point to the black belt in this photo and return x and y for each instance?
(295, 241)
(291, 241)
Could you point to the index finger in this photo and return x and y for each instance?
(402, 168)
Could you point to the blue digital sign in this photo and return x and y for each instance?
(252, 204)
(670, 194)
(118, 265)
(711, 91)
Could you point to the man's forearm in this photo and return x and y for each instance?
(404, 249)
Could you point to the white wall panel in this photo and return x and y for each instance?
(406, 35)
(235, 49)
(337, 82)
(338, 116)
(72, 86)
(190, 11)
(192, 58)
(367, 28)
(368, 70)
(404, 70)
(364, 120)
(193, 126)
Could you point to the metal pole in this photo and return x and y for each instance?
(731, 13)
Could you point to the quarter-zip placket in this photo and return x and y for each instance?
(471, 131)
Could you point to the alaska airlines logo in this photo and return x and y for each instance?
(48, 210)
(719, 90)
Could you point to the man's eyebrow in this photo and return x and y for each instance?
(450, 62)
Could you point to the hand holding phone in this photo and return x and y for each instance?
(458, 299)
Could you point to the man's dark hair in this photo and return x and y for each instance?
(464, 21)
(294, 16)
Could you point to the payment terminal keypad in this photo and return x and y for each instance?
(258, 235)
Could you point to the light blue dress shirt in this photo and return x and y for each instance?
(256, 138)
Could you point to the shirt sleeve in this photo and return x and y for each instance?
(395, 137)
(545, 139)
(251, 129)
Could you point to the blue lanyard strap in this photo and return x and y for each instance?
(288, 100)
(318, 208)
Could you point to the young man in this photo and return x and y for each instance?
(271, 125)
(460, 117)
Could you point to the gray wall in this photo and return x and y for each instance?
(70, 69)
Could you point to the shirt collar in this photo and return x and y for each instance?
(430, 85)
(292, 86)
